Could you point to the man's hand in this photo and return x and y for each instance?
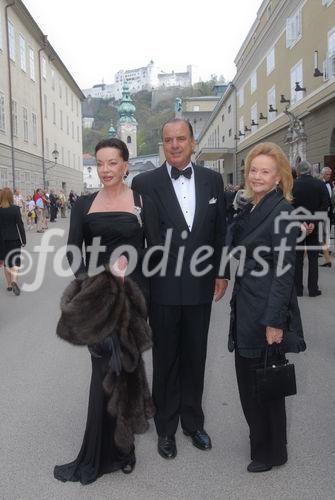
(220, 288)
(273, 335)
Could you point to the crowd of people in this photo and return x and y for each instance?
(181, 223)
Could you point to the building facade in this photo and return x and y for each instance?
(145, 78)
(285, 82)
(40, 109)
(216, 144)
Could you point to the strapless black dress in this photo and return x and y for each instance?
(98, 454)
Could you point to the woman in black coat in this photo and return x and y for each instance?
(12, 238)
(264, 307)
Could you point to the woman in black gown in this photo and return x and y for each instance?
(118, 216)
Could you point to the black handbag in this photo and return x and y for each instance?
(275, 380)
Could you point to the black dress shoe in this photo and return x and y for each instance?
(326, 264)
(255, 466)
(200, 439)
(167, 446)
(315, 294)
(128, 468)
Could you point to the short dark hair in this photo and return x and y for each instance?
(113, 143)
(177, 120)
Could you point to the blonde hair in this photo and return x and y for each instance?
(284, 169)
(6, 198)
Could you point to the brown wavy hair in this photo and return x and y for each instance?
(6, 198)
(283, 166)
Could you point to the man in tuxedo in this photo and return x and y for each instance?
(190, 202)
(309, 193)
(326, 174)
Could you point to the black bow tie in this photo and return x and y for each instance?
(176, 173)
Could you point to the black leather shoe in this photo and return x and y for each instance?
(167, 446)
(315, 294)
(255, 466)
(129, 467)
(200, 439)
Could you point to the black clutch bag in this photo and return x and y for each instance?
(275, 380)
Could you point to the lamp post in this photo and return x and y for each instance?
(55, 155)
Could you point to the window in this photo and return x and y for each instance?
(54, 113)
(241, 129)
(327, 2)
(222, 118)
(44, 68)
(46, 148)
(67, 125)
(66, 96)
(77, 133)
(1, 44)
(128, 139)
(229, 109)
(293, 29)
(60, 90)
(229, 132)
(296, 76)
(34, 127)
(74, 160)
(272, 102)
(32, 63)
(23, 60)
(72, 130)
(253, 82)
(61, 119)
(240, 95)
(45, 106)
(2, 112)
(11, 39)
(223, 139)
(14, 117)
(53, 79)
(71, 102)
(329, 64)
(69, 158)
(62, 155)
(253, 116)
(196, 108)
(270, 61)
(25, 124)
(77, 107)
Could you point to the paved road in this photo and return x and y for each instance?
(44, 391)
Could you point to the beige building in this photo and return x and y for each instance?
(40, 109)
(216, 148)
(197, 111)
(285, 81)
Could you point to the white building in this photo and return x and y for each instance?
(144, 78)
(40, 109)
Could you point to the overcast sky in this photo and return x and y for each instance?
(96, 39)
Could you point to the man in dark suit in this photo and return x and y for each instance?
(190, 203)
(309, 193)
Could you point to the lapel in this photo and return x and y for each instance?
(202, 197)
(262, 211)
(167, 195)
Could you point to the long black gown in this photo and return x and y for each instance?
(98, 454)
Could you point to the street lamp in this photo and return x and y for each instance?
(55, 155)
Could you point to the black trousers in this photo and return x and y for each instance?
(179, 357)
(313, 270)
(266, 420)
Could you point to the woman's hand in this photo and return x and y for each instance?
(273, 335)
(120, 266)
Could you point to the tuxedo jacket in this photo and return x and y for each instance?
(310, 193)
(208, 229)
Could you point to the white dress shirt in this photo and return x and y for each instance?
(185, 192)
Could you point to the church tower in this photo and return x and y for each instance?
(127, 124)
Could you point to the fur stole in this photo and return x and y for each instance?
(94, 311)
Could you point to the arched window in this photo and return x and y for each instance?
(128, 139)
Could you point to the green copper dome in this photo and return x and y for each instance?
(126, 109)
(111, 131)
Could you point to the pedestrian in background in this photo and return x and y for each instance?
(264, 307)
(13, 237)
(309, 193)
